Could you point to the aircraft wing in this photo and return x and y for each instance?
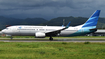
(55, 33)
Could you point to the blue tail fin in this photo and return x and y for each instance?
(92, 21)
(68, 25)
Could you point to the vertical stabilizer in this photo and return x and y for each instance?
(92, 21)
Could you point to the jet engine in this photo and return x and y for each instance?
(40, 35)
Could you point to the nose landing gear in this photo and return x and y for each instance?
(51, 39)
(11, 37)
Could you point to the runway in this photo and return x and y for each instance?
(55, 40)
(45, 41)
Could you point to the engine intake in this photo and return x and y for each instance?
(40, 35)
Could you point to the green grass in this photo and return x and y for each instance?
(51, 50)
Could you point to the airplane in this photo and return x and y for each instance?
(42, 31)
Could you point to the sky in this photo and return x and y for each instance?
(49, 9)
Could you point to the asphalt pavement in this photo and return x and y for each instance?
(55, 40)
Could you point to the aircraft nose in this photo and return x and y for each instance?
(3, 31)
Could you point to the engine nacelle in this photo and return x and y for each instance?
(40, 35)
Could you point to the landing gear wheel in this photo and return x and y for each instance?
(11, 37)
(50, 38)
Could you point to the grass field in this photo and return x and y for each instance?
(51, 50)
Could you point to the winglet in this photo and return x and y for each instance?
(62, 25)
(68, 25)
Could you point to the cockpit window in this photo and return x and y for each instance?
(6, 28)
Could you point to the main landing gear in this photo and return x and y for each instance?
(50, 38)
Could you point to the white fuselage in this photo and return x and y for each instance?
(31, 30)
